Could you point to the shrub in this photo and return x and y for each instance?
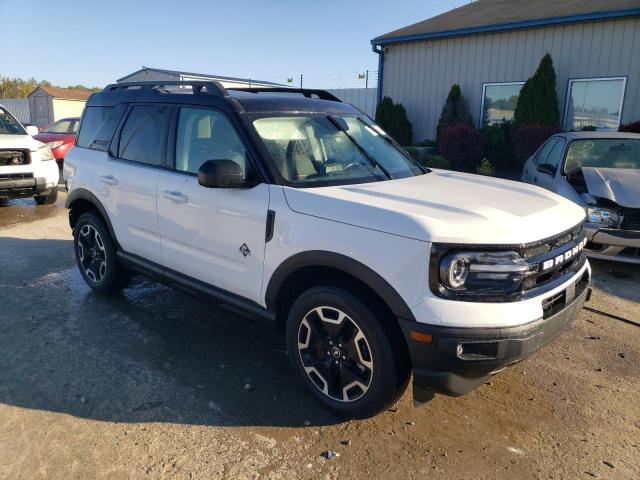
(497, 144)
(438, 161)
(462, 146)
(633, 127)
(393, 119)
(454, 112)
(538, 100)
(400, 126)
(527, 139)
(384, 113)
(485, 168)
(425, 143)
(589, 128)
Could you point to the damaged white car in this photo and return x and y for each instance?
(601, 172)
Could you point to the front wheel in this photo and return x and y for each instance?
(342, 351)
(96, 255)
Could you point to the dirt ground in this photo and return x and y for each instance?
(153, 384)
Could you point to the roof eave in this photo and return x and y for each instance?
(541, 22)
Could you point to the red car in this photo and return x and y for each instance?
(60, 136)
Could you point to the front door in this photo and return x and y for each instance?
(216, 235)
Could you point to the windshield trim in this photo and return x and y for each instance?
(250, 117)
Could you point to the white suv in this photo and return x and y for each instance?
(293, 207)
(27, 166)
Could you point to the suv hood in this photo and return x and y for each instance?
(620, 185)
(18, 141)
(444, 206)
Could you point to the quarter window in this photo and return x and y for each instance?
(499, 102)
(203, 135)
(595, 102)
(143, 135)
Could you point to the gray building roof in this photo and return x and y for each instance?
(494, 15)
(199, 75)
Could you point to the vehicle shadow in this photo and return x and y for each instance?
(617, 278)
(148, 354)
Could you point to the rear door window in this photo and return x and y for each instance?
(143, 136)
(98, 126)
(544, 151)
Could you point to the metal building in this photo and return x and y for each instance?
(490, 47)
(149, 73)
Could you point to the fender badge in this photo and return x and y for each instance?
(244, 250)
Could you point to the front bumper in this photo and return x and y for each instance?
(613, 244)
(12, 187)
(453, 361)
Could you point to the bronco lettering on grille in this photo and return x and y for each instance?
(564, 257)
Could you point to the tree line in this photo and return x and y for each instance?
(21, 88)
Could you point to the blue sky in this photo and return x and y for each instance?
(94, 43)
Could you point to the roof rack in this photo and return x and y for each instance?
(199, 87)
(307, 92)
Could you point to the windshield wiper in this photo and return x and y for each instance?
(369, 157)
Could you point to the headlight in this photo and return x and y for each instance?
(482, 273)
(45, 153)
(57, 144)
(603, 216)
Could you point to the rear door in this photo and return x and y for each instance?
(126, 181)
(215, 235)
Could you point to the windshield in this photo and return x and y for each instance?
(322, 151)
(603, 153)
(64, 126)
(9, 125)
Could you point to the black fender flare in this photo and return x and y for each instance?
(320, 258)
(85, 195)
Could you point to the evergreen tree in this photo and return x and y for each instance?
(538, 100)
(454, 111)
(384, 113)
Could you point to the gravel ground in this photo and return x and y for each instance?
(154, 384)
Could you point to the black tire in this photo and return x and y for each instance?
(380, 362)
(94, 247)
(47, 198)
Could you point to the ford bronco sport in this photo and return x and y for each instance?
(295, 208)
(27, 166)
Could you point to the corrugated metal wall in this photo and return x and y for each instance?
(420, 74)
(363, 98)
(18, 107)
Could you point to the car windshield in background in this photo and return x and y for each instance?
(603, 153)
(9, 126)
(64, 126)
(321, 151)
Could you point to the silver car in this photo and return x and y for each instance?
(601, 172)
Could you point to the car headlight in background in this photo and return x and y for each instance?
(483, 273)
(603, 216)
(57, 144)
(45, 153)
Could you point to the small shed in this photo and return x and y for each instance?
(49, 104)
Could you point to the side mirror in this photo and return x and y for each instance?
(221, 174)
(31, 130)
(546, 168)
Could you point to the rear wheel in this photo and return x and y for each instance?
(343, 353)
(47, 198)
(96, 255)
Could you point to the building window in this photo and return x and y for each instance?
(499, 102)
(594, 102)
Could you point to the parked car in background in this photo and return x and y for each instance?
(60, 136)
(294, 207)
(601, 172)
(27, 166)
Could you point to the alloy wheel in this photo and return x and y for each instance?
(335, 354)
(92, 253)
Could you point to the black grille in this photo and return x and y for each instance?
(14, 157)
(631, 219)
(15, 176)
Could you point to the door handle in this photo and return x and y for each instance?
(175, 196)
(109, 179)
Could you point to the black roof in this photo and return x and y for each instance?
(254, 100)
